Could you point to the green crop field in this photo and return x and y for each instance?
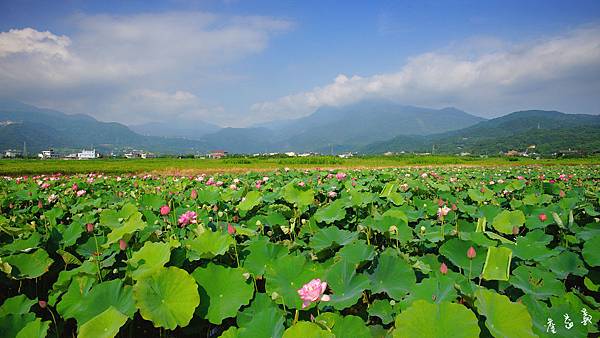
(448, 251)
(242, 164)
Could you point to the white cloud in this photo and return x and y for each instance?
(556, 73)
(110, 65)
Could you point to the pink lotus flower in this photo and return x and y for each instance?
(165, 210)
(332, 194)
(45, 185)
(301, 184)
(80, 193)
(313, 291)
(233, 187)
(340, 176)
(258, 185)
(186, 218)
(74, 187)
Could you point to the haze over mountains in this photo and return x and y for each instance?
(371, 126)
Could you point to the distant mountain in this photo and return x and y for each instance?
(192, 130)
(549, 131)
(366, 122)
(44, 128)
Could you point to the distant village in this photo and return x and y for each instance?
(91, 154)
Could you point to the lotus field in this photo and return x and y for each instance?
(412, 252)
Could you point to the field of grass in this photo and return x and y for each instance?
(243, 164)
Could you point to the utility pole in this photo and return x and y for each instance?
(24, 149)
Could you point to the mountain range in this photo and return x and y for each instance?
(372, 126)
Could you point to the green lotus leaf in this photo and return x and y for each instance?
(12, 324)
(84, 303)
(307, 330)
(344, 326)
(104, 325)
(566, 263)
(497, 264)
(434, 290)
(70, 304)
(505, 221)
(168, 298)
(390, 191)
(590, 252)
(252, 199)
(293, 194)
(29, 265)
(331, 236)
(424, 319)
(262, 253)
(382, 309)
(288, 274)
(346, 285)
(151, 201)
(224, 291)
(393, 275)
(261, 319)
(357, 252)
(532, 246)
(131, 225)
(456, 251)
(209, 195)
(208, 245)
(573, 306)
(22, 245)
(478, 196)
(536, 282)
(16, 305)
(496, 308)
(149, 259)
(36, 328)
(335, 211)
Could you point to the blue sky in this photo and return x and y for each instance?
(241, 62)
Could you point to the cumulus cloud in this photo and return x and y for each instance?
(561, 72)
(130, 68)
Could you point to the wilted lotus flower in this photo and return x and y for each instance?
(80, 193)
(52, 198)
(313, 291)
(443, 211)
(164, 210)
(186, 218)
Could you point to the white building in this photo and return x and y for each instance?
(87, 154)
(47, 154)
(12, 153)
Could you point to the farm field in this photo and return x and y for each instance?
(174, 166)
(494, 250)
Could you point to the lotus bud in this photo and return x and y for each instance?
(246, 275)
(42, 304)
(230, 229)
(89, 227)
(122, 244)
(444, 268)
(471, 253)
(543, 217)
(274, 295)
